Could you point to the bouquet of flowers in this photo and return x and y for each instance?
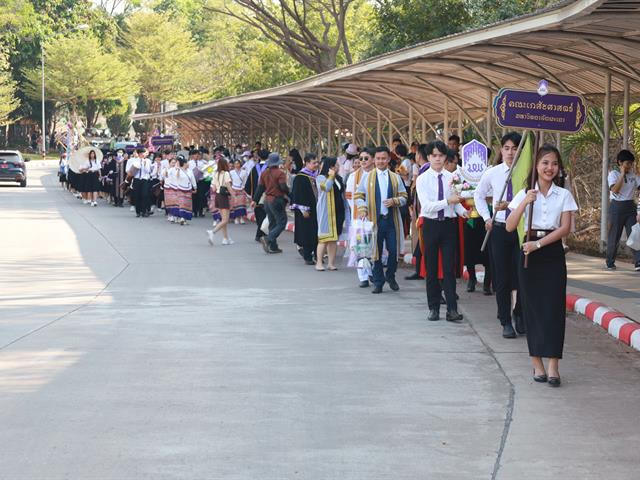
(362, 239)
(462, 187)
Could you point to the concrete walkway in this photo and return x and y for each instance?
(130, 349)
(618, 289)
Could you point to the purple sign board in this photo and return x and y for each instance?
(162, 140)
(475, 159)
(553, 112)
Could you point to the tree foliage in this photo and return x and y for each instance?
(168, 64)
(97, 74)
(313, 32)
(8, 100)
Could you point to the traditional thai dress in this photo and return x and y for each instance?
(238, 195)
(178, 188)
(330, 208)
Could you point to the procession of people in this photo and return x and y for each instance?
(386, 203)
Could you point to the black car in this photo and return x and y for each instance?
(12, 167)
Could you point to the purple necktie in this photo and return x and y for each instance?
(440, 196)
(509, 198)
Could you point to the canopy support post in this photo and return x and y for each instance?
(625, 118)
(378, 130)
(410, 132)
(445, 129)
(604, 201)
(489, 124)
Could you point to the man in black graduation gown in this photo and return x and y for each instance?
(251, 187)
(304, 196)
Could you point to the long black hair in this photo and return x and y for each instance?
(327, 163)
(297, 159)
(542, 151)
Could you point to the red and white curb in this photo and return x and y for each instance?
(615, 323)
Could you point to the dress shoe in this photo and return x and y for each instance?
(434, 315)
(275, 250)
(539, 378)
(519, 321)
(309, 262)
(471, 285)
(454, 316)
(377, 289)
(393, 285)
(486, 290)
(554, 381)
(508, 331)
(415, 276)
(364, 284)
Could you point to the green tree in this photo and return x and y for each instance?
(313, 32)
(80, 71)
(119, 117)
(400, 23)
(484, 12)
(168, 63)
(8, 100)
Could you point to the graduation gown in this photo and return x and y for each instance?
(304, 196)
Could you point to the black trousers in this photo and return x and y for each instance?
(622, 215)
(141, 195)
(505, 253)
(261, 214)
(200, 198)
(440, 236)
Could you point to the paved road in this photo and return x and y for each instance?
(130, 349)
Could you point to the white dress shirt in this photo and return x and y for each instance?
(144, 168)
(629, 187)
(547, 211)
(427, 189)
(383, 184)
(181, 179)
(491, 185)
(91, 166)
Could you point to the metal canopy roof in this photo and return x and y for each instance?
(573, 45)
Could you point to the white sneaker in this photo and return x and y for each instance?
(215, 223)
(94, 204)
(85, 202)
(132, 208)
(210, 236)
(242, 222)
(227, 241)
(237, 221)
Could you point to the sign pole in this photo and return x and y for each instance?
(534, 172)
(504, 189)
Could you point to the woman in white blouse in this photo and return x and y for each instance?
(543, 282)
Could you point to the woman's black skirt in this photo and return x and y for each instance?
(91, 182)
(543, 290)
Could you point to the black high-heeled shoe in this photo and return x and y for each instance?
(540, 378)
(554, 381)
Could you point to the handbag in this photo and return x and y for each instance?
(223, 190)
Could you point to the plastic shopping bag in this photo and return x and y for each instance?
(362, 240)
(633, 242)
(265, 225)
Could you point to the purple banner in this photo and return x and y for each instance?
(162, 140)
(553, 112)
